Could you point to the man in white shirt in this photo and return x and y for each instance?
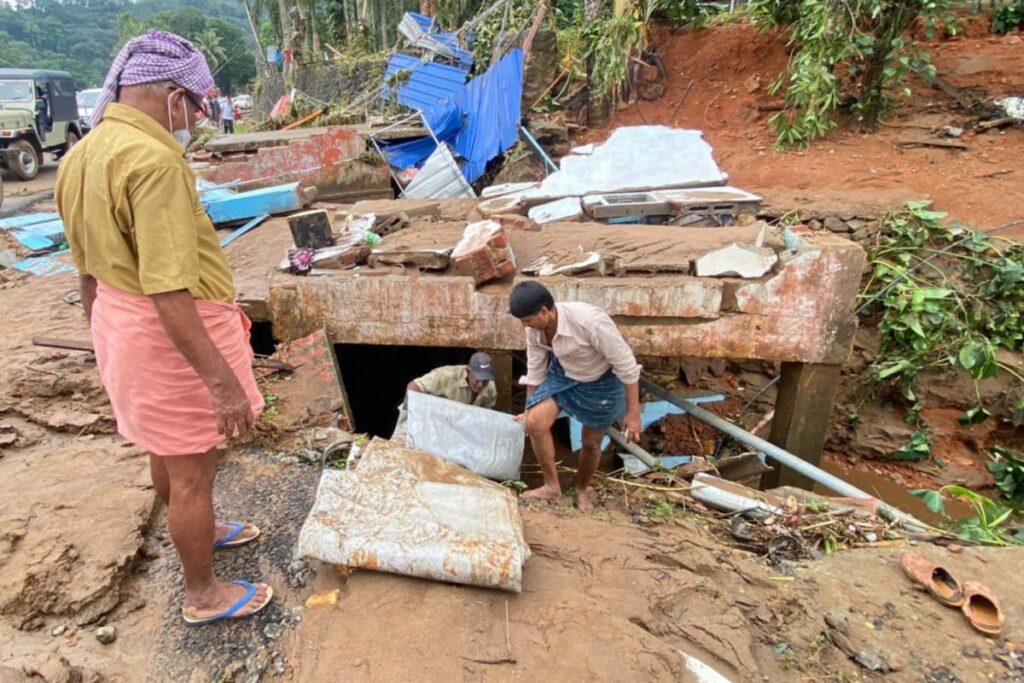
(227, 114)
(577, 361)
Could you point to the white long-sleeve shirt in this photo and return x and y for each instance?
(587, 343)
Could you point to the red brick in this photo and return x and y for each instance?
(483, 253)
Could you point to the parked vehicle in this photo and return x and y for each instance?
(86, 104)
(243, 102)
(38, 113)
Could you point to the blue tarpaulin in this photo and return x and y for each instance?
(481, 123)
(445, 121)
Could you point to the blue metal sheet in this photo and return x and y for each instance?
(247, 205)
(491, 104)
(427, 85)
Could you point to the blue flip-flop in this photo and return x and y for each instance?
(229, 539)
(250, 590)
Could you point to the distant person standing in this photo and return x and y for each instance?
(227, 115)
(214, 110)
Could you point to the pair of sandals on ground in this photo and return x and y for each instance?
(978, 603)
(239, 534)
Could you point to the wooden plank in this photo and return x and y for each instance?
(805, 396)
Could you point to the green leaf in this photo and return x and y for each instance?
(933, 499)
(974, 416)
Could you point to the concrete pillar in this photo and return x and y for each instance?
(805, 396)
(503, 379)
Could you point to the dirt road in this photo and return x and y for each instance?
(19, 195)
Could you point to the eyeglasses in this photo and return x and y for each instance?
(196, 104)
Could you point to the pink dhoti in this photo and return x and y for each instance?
(160, 402)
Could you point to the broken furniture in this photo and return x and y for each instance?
(408, 512)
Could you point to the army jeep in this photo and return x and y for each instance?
(38, 113)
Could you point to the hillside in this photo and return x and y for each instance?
(82, 36)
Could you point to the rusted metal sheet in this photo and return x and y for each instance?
(333, 161)
(408, 512)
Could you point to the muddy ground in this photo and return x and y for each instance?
(615, 595)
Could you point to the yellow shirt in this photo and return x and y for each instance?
(132, 214)
(450, 382)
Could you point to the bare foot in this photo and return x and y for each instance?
(222, 596)
(585, 499)
(542, 493)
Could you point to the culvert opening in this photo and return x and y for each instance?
(375, 378)
(261, 338)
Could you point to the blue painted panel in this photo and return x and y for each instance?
(33, 242)
(28, 219)
(428, 85)
(650, 412)
(246, 205)
(45, 265)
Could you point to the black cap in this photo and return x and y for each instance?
(481, 366)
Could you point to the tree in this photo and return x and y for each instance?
(208, 42)
(847, 51)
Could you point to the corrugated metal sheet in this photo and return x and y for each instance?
(426, 85)
(440, 178)
(419, 30)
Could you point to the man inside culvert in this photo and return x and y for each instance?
(577, 362)
(471, 384)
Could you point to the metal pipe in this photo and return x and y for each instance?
(780, 455)
(537, 149)
(634, 450)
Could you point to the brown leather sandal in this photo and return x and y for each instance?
(981, 607)
(934, 579)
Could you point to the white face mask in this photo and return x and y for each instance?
(183, 135)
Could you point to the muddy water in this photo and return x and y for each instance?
(885, 489)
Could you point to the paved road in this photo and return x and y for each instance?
(20, 195)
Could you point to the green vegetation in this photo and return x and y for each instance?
(992, 523)
(848, 54)
(1006, 18)
(943, 299)
(1008, 470)
(82, 36)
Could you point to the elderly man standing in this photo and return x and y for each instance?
(576, 361)
(171, 344)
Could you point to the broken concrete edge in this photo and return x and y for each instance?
(450, 311)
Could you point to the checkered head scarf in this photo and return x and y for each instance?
(155, 56)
